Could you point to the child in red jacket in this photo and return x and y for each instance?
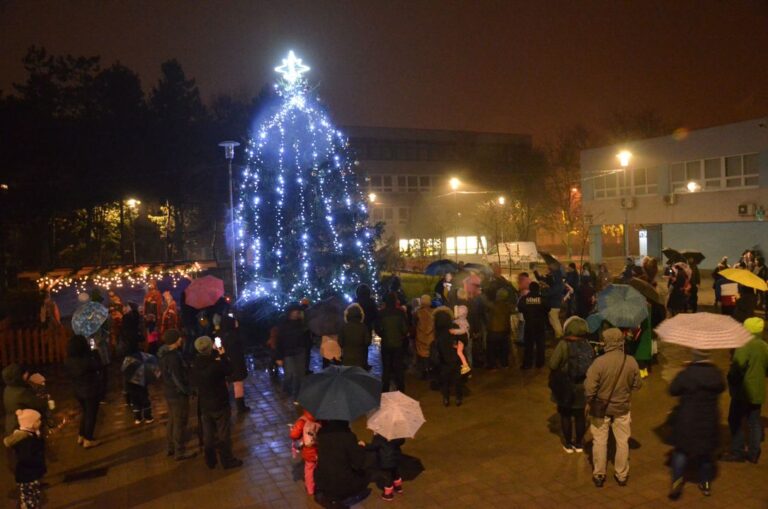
(304, 431)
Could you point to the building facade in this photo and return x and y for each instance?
(407, 174)
(704, 190)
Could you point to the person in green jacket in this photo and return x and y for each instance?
(746, 384)
(392, 327)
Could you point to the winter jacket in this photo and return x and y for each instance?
(308, 453)
(340, 469)
(130, 330)
(535, 310)
(446, 342)
(745, 305)
(84, 372)
(370, 309)
(140, 368)
(696, 423)
(499, 313)
(554, 294)
(387, 451)
(233, 345)
(209, 378)
(602, 374)
(18, 395)
(175, 373)
(292, 338)
(354, 337)
(392, 327)
(29, 449)
(425, 331)
(559, 362)
(749, 368)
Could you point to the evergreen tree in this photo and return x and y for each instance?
(301, 218)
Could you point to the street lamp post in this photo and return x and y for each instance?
(455, 184)
(624, 157)
(229, 154)
(133, 204)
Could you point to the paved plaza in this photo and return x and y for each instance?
(501, 449)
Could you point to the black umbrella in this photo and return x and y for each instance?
(440, 267)
(341, 393)
(673, 256)
(696, 256)
(548, 258)
(326, 317)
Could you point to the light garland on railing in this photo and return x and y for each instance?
(118, 278)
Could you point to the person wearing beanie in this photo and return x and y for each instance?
(611, 378)
(569, 364)
(29, 449)
(176, 389)
(392, 327)
(209, 373)
(746, 385)
(696, 425)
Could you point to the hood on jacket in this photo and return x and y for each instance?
(575, 327)
(443, 317)
(354, 313)
(461, 312)
(613, 339)
(13, 374)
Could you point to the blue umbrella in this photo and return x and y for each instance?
(622, 306)
(88, 318)
(341, 393)
(440, 267)
(594, 321)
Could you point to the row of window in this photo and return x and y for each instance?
(387, 214)
(730, 172)
(400, 183)
(425, 151)
(469, 245)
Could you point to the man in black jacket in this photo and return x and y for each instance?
(209, 376)
(535, 310)
(175, 379)
(292, 351)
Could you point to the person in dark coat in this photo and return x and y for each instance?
(209, 377)
(678, 299)
(745, 304)
(696, 433)
(233, 344)
(448, 350)
(291, 350)
(176, 389)
(18, 395)
(83, 366)
(392, 327)
(388, 457)
(535, 310)
(340, 475)
(130, 329)
(354, 338)
(370, 309)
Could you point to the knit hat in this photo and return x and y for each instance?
(204, 345)
(171, 336)
(613, 336)
(29, 420)
(754, 325)
(575, 326)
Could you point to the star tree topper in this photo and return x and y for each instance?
(292, 68)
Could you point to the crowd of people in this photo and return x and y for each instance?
(446, 336)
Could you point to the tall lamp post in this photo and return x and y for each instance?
(624, 157)
(133, 205)
(229, 154)
(455, 184)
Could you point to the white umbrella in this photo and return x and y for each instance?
(703, 331)
(398, 416)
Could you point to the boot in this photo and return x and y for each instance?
(677, 489)
(389, 494)
(241, 408)
(398, 485)
(210, 458)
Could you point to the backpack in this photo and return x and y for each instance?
(309, 433)
(580, 357)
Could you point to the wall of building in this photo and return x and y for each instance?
(716, 240)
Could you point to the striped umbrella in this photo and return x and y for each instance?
(703, 331)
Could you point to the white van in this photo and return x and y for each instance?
(513, 255)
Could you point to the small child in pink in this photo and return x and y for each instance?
(460, 320)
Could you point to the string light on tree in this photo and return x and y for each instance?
(301, 216)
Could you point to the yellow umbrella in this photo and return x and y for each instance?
(746, 278)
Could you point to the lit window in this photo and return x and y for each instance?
(730, 172)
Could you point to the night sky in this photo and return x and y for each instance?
(531, 67)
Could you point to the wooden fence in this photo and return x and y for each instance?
(33, 346)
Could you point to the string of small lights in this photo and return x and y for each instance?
(109, 279)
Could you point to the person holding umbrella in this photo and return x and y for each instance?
(83, 367)
(695, 434)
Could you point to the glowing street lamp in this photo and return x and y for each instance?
(229, 154)
(454, 183)
(624, 157)
(502, 200)
(693, 186)
(372, 197)
(132, 203)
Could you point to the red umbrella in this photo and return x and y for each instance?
(204, 292)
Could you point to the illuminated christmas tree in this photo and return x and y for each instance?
(301, 219)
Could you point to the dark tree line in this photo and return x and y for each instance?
(78, 139)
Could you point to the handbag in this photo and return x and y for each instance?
(598, 408)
